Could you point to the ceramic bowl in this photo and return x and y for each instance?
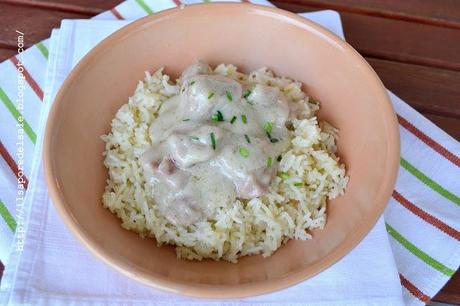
(248, 36)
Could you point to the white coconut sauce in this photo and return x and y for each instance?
(214, 142)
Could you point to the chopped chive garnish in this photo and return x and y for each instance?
(244, 152)
(283, 175)
(269, 161)
(229, 95)
(187, 119)
(247, 138)
(247, 93)
(233, 120)
(183, 89)
(278, 158)
(191, 83)
(244, 119)
(213, 140)
(250, 102)
(218, 116)
(268, 127)
(298, 184)
(194, 138)
(211, 94)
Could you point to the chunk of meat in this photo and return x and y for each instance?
(196, 147)
(173, 176)
(166, 167)
(201, 93)
(256, 183)
(150, 161)
(251, 174)
(200, 67)
(163, 169)
(270, 104)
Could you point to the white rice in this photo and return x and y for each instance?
(295, 204)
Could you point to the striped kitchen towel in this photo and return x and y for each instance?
(422, 218)
(56, 264)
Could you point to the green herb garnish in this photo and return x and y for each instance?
(283, 175)
(298, 184)
(247, 93)
(187, 119)
(269, 161)
(213, 140)
(244, 119)
(211, 94)
(268, 127)
(247, 138)
(233, 120)
(192, 82)
(244, 152)
(218, 116)
(194, 138)
(229, 95)
(279, 158)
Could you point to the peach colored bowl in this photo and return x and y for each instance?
(353, 99)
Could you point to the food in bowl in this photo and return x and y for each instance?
(221, 164)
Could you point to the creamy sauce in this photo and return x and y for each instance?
(214, 142)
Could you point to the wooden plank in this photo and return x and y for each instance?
(444, 13)
(6, 53)
(80, 7)
(100, 4)
(450, 125)
(35, 23)
(451, 291)
(429, 90)
(397, 40)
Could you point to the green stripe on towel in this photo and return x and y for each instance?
(419, 253)
(429, 182)
(42, 49)
(10, 106)
(144, 6)
(7, 217)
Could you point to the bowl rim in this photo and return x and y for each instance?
(239, 290)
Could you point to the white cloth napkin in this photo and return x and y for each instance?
(422, 218)
(54, 268)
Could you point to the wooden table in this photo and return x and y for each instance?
(414, 45)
